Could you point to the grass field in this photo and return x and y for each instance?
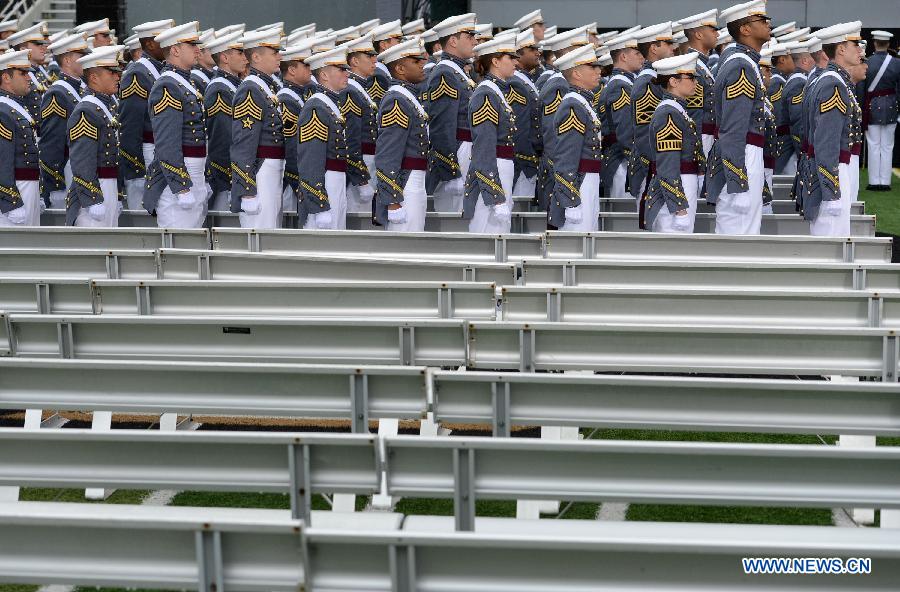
(886, 205)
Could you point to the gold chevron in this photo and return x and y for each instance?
(776, 96)
(289, 120)
(669, 138)
(828, 175)
(5, 133)
(314, 129)
(375, 91)
(596, 99)
(395, 116)
(350, 107)
(134, 88)
(250, 181)
(444, 90)
(220, 106)
(83, 128)
(741, 86)
(514, 97)
(695, 101)
(644, 107)
(835, 102)
(623, 100)
(54, 108)
(167, 101)
(247, 108)
(571, 123)
(551, 107)
(485, 113)
(797, 99)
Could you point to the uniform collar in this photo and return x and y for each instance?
(587, 94)
(209, 73)
(800, 71)
(670, 96)
(498, 81)
(177, 70)
(107, 99)
(459, 61)
(405, 85)
(318, 88)
(357, 77)
(704, 57)
(159, 65)
(835, 68)
(71, 80)
(294, 87)
(267, 78)
(621, 72)
(747, 50)
(227, 76)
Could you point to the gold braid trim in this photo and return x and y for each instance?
(87, 184)
(225, 171)
(393, 184)
(10, 191)
(671, 188)
(827, 174)
(132, 159)
(244, 176)
(313, 190)
(567, 184)
(446, 160)
(51, 172)
(734, 169)
(488, 181)
(175, 170)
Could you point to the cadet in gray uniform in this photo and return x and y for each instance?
(383, 37)
(56, 106)
(828, 179)
(735, 173)
(489, 182)
(782, 67)
(701, 37)
(575, 203)
(203, 73)
(228, 52)
(880, 111)
(401, 150)
(792, 102)
(615, 114)
(523, 98)
(259, 135)
(136, 142)
(360, 111)
(176, 182)
(323, 146)
(20, 199)
(799, 190)
(670, 204)
(34, 39)
(296, 76)
(93, 198)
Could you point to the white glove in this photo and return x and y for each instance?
(250, 204)
(43, 205)
(501, 212)
(97, 211)
(397, 216)
(186, 200)
(574, 215)
(366, 193)
(740, 203)
(120, 207)
(833, 207)
(681, 222)
(324, 220)
(18, 215)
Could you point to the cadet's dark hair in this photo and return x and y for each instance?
(433, 47)
(483, 63)
(354, 54)
(830, 50)
(443, 40)
(663, 80)
(614, 54)
(285, 66)
(378, 45)
(776, 60)
(249, 53)
(734, 27)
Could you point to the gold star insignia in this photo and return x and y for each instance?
(248, 123)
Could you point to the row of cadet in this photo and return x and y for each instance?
(376, 117)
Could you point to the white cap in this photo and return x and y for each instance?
(231, 29)
(15, 59)
(346, 34)
(680, 64)
(577, 57)
(207, 36)
(724, 37)
(325, 43)
(332, 57)
(604, 37)
(765, 56)
(546, 43)
(69, 43)
(34, 33)
(703, 19)
(813, 44)
(407, 49)
(525, 39)
(740, 11)
(782, 49)
(362, 45)
(275, 25)
(798, 47)
(11, 25)
(499, 45)
(877, 35)
(680, 37)
(621, 42)
(413, 27)
(549, 31)
(796, 35)
(484, 31)
(94, 27)
(186, 33)
(298, 36)
(604, 57)
(299, 52)
(660, 32)
(573, 38)
(308, 29)
(270, 38)
(54, 37)
(429, 36)
(387, 31)
(103, 57)
(784, 29)
(532, 18)
(225, 42)
(153, 28)
(591, 28)
(456, 24)
(367, 26)
(132, 43)
(840, 33)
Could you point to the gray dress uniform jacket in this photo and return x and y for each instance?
(700, 105)
(291, 98)
(550, 99)
(616, 122)
(792, 103)
(179, 128)
(544, 76)
(257, 133)
(645, 97)
(523, 98)
(880, 105)
(799, 190)
(323, 146)
(32, 101)
(56, 107)
(828, 131)
(202, 77)
(93, 152)
(493, 127)
(134, 116)
(360, 113)
(18, 154)
(676, 149)
(739, 103)
(217, 100)
(377, 84)
(402, 146)
(448, 115)
(783, 149)
(576, 152)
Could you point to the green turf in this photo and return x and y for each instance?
(726, 437)
(884, 205)
(729, 515)
(120, 496)
(88, 589)
(18, 588)
(415, 506)
(265, 501)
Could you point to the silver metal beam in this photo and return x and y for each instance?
(779, 206)
(107, 238)
(46, 296)
(78, 263)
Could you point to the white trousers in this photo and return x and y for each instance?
(110, 189)
(483, 220)
(58, 198)
(741, 213)
(221, 202)
(707, 141)
(289, 200)
(30, 192)
(169, 214)
(880, 140)
(448, 195)
(336, 189)
(590, 204)
(853, 169)
(415, 202)
(618, 182)
(134, 188)
(361, 202)
(269, 179)
(789, 169)
(665, 220)
(828, 225)
(524, 186)
(769, 176)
